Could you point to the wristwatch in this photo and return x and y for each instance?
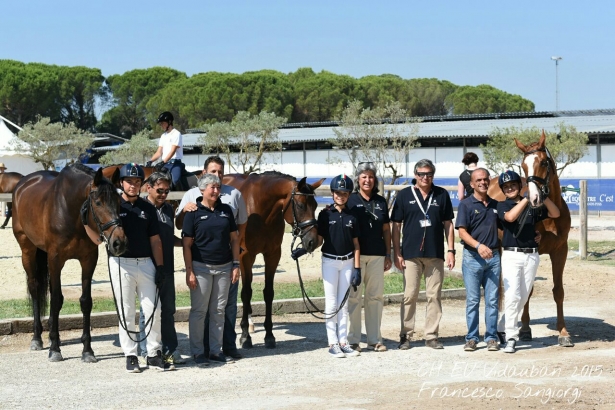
(453, 251)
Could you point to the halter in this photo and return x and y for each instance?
(87, 206)
(541, 183)
(299, 227)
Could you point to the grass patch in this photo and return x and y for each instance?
(393, 283)
(602, 252)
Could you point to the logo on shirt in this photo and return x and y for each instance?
(349, 224)
(123, 215)
(378, 207)
(332, 222)
(143, 216)
(476, 211)
(495, 211)
(204, 217)
(223, 215)
(434, 203)
(412, 202)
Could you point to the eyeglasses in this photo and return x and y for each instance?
(161, 191)
(424, 174)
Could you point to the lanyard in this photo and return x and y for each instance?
(418, 202)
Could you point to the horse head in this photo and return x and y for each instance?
(539, 169)
(301, 213)
(101, 212)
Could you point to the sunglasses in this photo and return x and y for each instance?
(161, 191)
(424, 174)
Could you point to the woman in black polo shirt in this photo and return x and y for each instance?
(211, 253)
(520, 252)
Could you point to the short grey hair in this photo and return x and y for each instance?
(424, 163)
(208, 179)
(362, 168)
(157, 177)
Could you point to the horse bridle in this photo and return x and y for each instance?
(87, 206)
(541, 183)
(299, 230)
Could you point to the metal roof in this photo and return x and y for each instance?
(597, 122)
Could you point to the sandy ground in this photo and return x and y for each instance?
(299, 373)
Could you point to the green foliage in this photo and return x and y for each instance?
(322, 96)
(66, 94)
(247, 136)
(364, 137)
(139, 149)
(131, 92)
(485, 99)
(566, 146)
(46, 142)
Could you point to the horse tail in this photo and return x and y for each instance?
(42, 279)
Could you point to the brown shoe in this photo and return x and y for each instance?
(493, 345)
(434, 344)
(356, 347)
(470, 346)
(378, 347)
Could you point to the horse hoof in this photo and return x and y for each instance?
(565, 341)
(270, 343)
(36, 345)
(247, 344)
(525, 335)
(88, 357)
(251, 328)
(55, 356)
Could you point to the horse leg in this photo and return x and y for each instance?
(558, 261)
(272, 259)
(525, 333)
(55, 268)
(88, 264)
(35, 264)
(247, 261)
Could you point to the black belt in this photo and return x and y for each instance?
(339, 258)
(173, 161)
(522, 250)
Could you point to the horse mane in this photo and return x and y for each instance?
(279, 175)
(105, 189)
(82, 169)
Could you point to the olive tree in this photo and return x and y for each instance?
(138, 149)
(46, 142)
(566, 146)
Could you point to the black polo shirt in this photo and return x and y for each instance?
(165, 216)
(407, 210)
(528, 231)
(139, 221)
(211, 231)
(480, 221)
(338, 230)
(371, 239)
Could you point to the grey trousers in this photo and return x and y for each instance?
(211, 294)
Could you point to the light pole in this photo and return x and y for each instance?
(556, 59)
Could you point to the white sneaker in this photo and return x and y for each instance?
(510, 346)
(336, 351)
(349, 351)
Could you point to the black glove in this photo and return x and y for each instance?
(148, 164)
(355, 278)
(160, 167)
(159, 278)
(297, 253)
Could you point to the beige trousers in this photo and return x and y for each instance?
(433, 269)
(372, 272)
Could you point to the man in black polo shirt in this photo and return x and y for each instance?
(477, 221)
(427, 214)
(135, 273)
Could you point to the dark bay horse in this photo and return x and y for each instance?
(8, 180)
(542, 180)
(271, 198)
(49, 208)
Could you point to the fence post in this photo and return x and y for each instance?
(583, 219)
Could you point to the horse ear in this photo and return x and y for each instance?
(317, 184)
(99, 176)
(520, 145)
(301, 183)
(115, 178)
(541, 141)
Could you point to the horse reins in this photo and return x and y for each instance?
(299, 233)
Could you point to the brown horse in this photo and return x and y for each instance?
(51, 209)
(541, 173)
(271, 198)
(8, 180)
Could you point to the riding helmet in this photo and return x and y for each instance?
(165, 117)
(509, 176)
(132, 170)
(341, 183)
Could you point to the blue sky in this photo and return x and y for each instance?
(507, 45)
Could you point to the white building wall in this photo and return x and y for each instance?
(586, 167)
(608, 161)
